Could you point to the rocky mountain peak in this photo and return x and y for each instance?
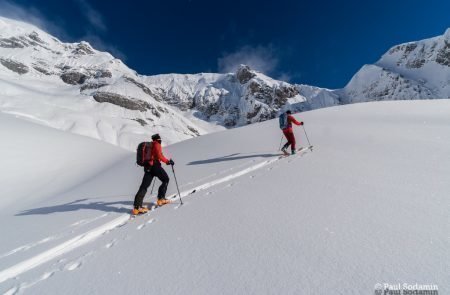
(244, 73)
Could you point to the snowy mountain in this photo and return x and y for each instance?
(73, 87)
(368, 206)
(76, 88)
(233, 99)
(414, 70)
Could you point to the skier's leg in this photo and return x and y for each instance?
(164, 178)
(292, 140)
(286, 145)
(139, 198)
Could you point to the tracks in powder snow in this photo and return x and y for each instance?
(91, 235)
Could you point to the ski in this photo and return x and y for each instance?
(175, 196)
(299, 150)
(151, 207)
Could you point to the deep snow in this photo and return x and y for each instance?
(369, 205)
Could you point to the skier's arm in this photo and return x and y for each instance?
(292, 119)
(160, 155)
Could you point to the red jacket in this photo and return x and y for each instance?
(157, 154)
(290, 120)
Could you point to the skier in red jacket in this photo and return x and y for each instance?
(289, 133)
(153, 169)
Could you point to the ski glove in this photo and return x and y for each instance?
(171, 162)
(302, 123)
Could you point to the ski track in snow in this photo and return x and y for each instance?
(60, 266)
(141, 226)
(225, 171)
(52, 238)
(118, 222)
(60, 249)
(111, 244)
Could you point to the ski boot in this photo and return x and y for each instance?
(162, 202)
(140, 210)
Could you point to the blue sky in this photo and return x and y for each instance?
(321, 43)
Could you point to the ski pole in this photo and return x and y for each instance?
(154, 180)
(307, 137)
(281, 141)
(176, 182)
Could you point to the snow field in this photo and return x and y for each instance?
(369, 205)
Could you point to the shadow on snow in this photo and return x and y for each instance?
(79, 205)
(231, 157)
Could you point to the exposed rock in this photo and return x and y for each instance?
(74, 78)
(251, 115)
(12, 42)
(83, 48)
(283, 93)
(23, 41)
(193, 130)
(41, 70)
(210, 109)
(141, 121)
(409, 48)
(122, 101)
(143, 87)
(155, 112)
(35, 36)
(394, 49)
(103, 74)
(63, 67)
(415, 63)
(244, 74)
(232, 116)
(162, 110)
(14, 66)
(262, 92)
(182, 100)
(254, 87)
(92, 86)
(443, 56)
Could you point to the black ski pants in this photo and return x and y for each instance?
(154, 171)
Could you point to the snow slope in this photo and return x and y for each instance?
(38, 161)
(369, 205)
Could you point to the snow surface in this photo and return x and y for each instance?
(369, 205)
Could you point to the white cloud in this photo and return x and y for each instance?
(94, 17)
(260, 58)
(284, 77)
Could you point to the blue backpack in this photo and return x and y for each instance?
(283, 121)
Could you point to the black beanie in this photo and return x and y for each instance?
(156, 137)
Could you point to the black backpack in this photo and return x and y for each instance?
(143, 153)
